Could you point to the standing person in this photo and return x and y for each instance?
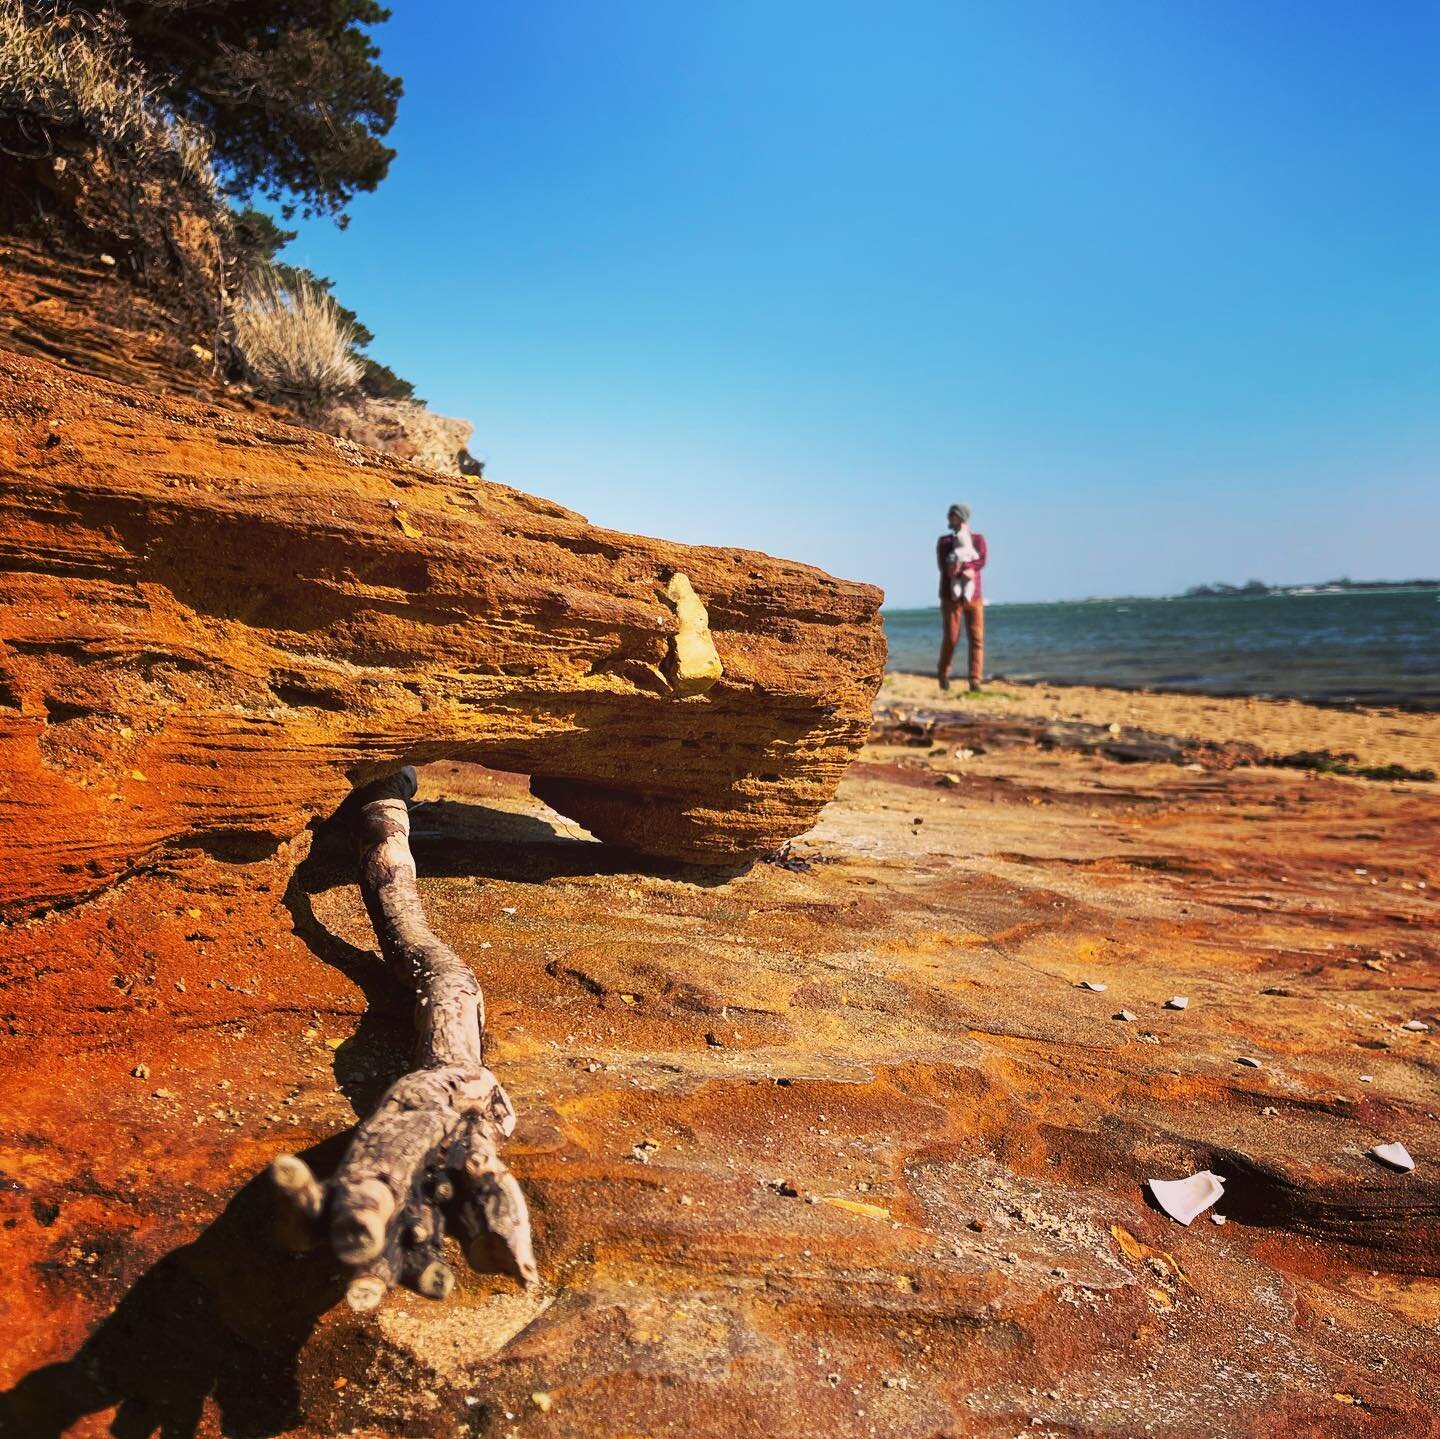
(961, 556)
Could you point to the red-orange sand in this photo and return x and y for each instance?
(834, 1149)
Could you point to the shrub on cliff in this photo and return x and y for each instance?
(294, 343)
(290, 91)
(70, 79)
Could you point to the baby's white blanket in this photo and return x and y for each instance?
(962, 554)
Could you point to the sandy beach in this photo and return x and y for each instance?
(1376, 735)
(837, 1142)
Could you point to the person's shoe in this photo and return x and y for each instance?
(944, 681)
(974, 687)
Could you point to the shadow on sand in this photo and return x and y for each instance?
(225, 1317)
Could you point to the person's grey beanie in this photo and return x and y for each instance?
(963, 511)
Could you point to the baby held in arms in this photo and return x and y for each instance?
(963, 574)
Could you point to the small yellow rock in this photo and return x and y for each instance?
(693, 664)
(857, 1206)
(542, 1401)
(406, 528)
(136, 775)
(334, 1043)
(193, 913)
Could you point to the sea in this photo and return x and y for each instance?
(1376, 647)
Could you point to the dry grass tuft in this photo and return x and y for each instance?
(67, 70)
(294, 344)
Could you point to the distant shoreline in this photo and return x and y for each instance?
(1381, 587)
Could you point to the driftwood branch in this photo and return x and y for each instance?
(427, 1160)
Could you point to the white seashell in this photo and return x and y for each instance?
(1367, 1079)
(1416, 1026)
(1248, 1062)
(1217, 1219)
(1092, 986)
(1178, 1001)
(1395, 1155)
(1187, 1199)
(1125, 1016)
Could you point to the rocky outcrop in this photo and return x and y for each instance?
(408, 430)
(215, 625)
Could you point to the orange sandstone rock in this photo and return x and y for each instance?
(214, 625)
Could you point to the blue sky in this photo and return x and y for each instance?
(1154, 285)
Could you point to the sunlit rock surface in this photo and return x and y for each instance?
(212, 625)
(885, 1023)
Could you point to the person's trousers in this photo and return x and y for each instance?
(973, 613)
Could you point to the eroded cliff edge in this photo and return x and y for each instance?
(214, 625)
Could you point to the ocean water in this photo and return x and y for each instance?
(1377, 646)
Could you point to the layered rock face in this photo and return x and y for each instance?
(214, 626)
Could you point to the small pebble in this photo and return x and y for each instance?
(1269, 1109)
(141, 1071)
(1217, 1219)
(1367, 1079)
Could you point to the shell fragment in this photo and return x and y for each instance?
(1178, 1001)
(1092, 986)
(1187, 1199)
(1395, 1155)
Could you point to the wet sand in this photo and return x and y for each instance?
(836, 1146)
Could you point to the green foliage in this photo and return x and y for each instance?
(1324, 761)
(380, 382)
(291, 91)
(255, 237)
